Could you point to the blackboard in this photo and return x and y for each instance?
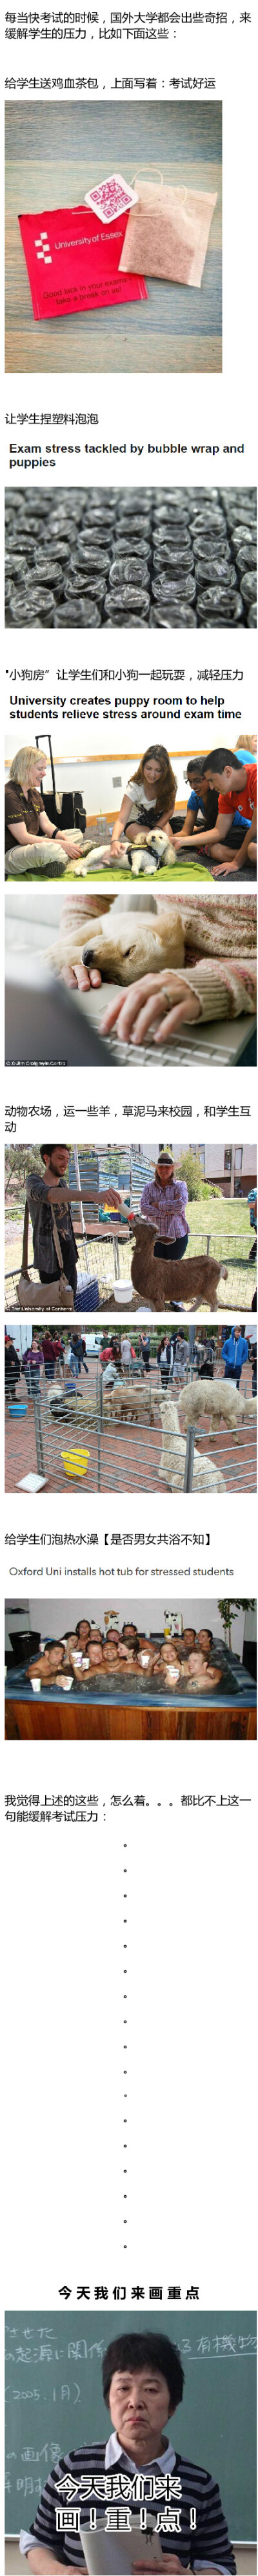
(54, 2398)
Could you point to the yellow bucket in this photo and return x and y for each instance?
(75, 1461)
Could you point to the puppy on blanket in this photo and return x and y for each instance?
(142, 858)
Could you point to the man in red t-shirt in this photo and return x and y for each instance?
(236, 819)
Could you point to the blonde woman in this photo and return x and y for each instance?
(32, 844)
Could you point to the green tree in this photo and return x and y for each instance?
(19, 1160)
(189, 1169)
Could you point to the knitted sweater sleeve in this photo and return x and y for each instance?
(222, 990)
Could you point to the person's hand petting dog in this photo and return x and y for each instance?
(157, 1005)
(72, 849)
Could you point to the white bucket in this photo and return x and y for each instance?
(123, 1292)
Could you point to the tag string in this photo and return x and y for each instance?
(157, 177)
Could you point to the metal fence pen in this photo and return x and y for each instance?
(107, 1259)
(39, 1434)
(80, 1436)
(189, 1459)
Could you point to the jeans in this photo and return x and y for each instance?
(235, 1373)
(164, 1251)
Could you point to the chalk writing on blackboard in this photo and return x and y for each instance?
(39, 2346)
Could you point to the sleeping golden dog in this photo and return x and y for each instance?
(124, 946)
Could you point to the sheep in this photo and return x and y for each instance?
(69, 1405)
(121, 1403)
(220, 1400)
(206, 1476)
(166, 1283)
(130, 1403)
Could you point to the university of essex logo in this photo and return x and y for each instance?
(42, 248)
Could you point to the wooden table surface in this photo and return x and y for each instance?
(48, 1723)
(54, 153)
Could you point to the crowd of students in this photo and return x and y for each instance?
(86, 1652)
(220, 820)
(45, 1351)
(221, 808)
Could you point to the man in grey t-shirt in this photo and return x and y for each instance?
(47, 1192)
(41, 1190)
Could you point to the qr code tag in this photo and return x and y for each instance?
(111, 198)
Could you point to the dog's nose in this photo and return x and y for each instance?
(88, 957)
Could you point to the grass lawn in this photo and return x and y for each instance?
(224, 1219)
(227, 1222)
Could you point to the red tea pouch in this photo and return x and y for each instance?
(167, 232)
(73, 257)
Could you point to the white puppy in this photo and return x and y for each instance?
(149, 852)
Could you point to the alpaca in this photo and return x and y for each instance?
(219, 1399)
(206, 1476)
(167, 1283)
